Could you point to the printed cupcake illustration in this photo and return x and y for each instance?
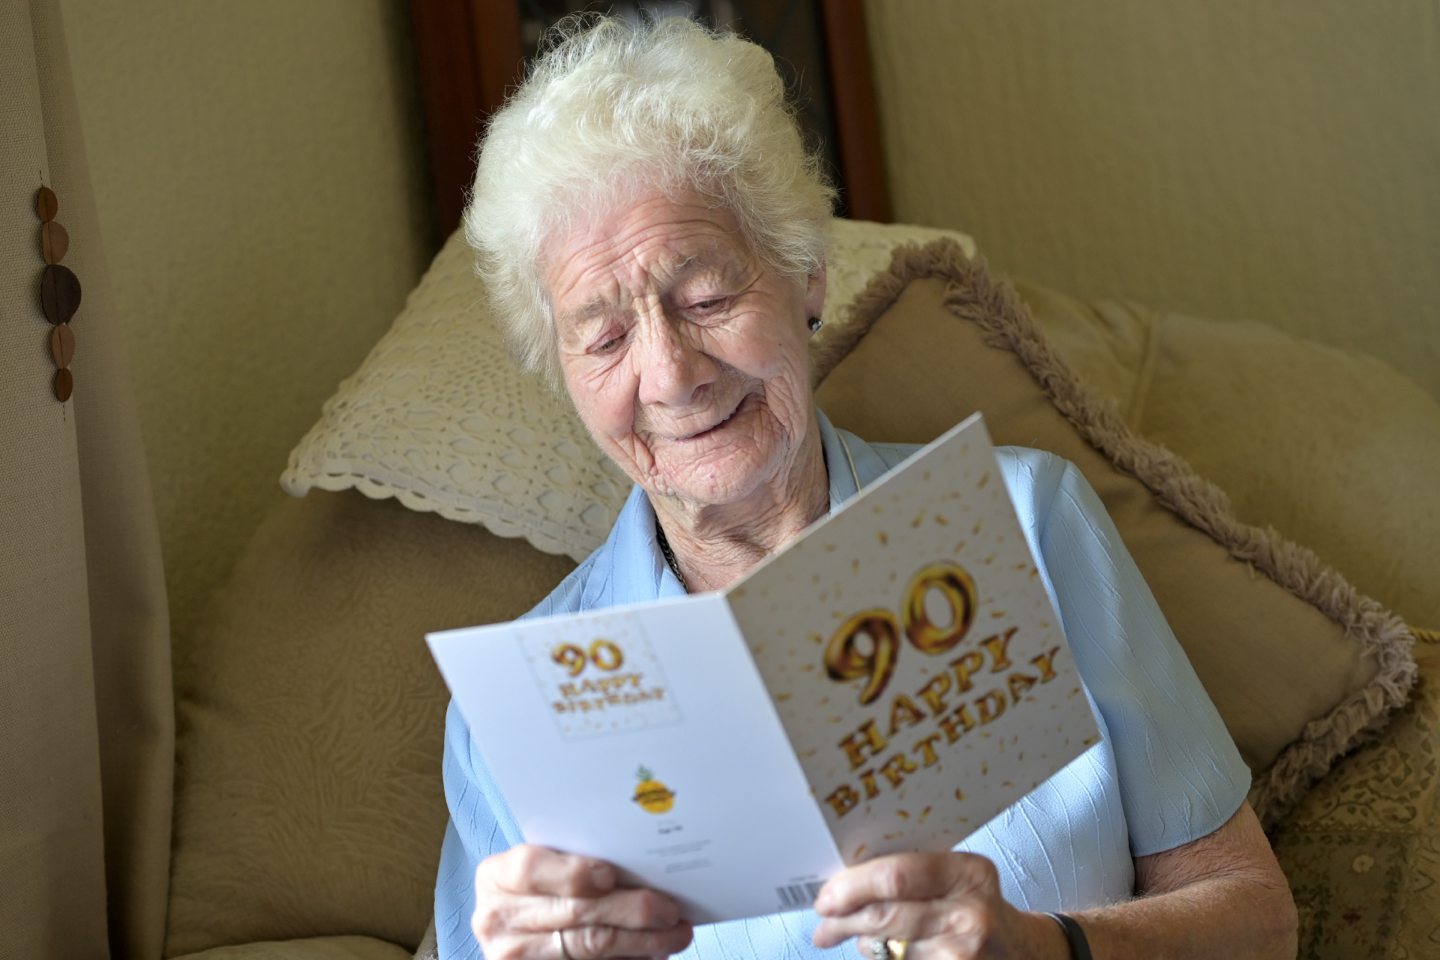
(652, 795)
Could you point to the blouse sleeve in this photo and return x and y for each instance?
(1180, 775)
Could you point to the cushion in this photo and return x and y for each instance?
(439, 418)
(1340, 429)
(308, 795)
(1358, 486)
(1299, 664)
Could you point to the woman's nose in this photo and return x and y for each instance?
(673, 367)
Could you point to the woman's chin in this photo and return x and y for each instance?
(707, 492)
(698, 485)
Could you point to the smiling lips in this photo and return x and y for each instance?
(700, 435)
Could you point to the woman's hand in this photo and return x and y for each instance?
(1222, 895)
(526, 894)
(947, 905)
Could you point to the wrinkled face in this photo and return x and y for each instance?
(684, 354)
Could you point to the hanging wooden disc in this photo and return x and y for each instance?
(62, 345)
(46, 204)
(54, 242)
(59, 293)
(63, 385)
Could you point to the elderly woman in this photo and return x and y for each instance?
(653, 234)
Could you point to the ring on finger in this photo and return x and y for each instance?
(892, 948)
(560, 945)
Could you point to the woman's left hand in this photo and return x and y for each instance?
(946, 905)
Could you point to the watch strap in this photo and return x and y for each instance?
(1074, 935)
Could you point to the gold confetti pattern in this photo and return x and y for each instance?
(942, 654)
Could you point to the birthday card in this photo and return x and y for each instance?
(889, 681)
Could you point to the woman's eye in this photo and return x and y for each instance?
(609, 344)
(709, 305)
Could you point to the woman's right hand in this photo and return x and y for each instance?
(526, 894)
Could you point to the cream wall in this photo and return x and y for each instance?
(1239, 160)
(257, 169)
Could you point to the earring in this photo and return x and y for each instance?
(814, 323)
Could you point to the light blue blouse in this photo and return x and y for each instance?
(1165, 772)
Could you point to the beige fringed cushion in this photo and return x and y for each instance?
(1333, 448)
(1299, 664)
(1359, 485)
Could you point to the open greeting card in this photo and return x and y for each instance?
(890, 681)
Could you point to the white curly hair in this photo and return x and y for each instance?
(614, 105)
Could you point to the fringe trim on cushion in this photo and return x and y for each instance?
(973, 294)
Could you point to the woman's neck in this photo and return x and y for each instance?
(713, 546)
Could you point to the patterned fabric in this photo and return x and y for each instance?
(1362, 851)
(1165, 773)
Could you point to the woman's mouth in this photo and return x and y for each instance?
(709, 430)
(717, 426)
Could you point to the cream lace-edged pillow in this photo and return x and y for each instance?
(439, 418)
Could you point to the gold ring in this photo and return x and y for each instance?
(889, 948)
(560, 945)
